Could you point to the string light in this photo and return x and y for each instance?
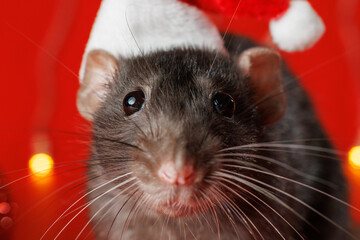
(41, 164)
(354, 157)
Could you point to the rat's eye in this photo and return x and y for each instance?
(224, 104)
(133, 102)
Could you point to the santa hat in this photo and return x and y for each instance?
(294, 24)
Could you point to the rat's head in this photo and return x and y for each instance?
(162, 120)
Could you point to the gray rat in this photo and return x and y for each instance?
(191, 143)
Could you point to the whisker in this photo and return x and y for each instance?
(260, 190)
(52, 175)
(222, 207)
(102, 217)
(192, 234)
(167, 222)
(240, 213)
(92, 201)
(267, 205)
(142, 204)
(238, 161)
(278, 163)
(34, 174)
(126, 224)
(89, 192)
(268, 149)
(302, 203)
(250, 204)
(57, 166)
(120, 142)
(301, 184)
(275, 145)
(42, 49)
(118, 212)
(133, 36)
(139, 128)
(104, 206)
(150, 124)
(82, 181)
(203, 210)
(37, 204)
(226, 31)
(162, 227)
(213, 212)
(89, 179)
(184, 230)
(266, 193)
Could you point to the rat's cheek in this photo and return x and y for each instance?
(142, 173)
(143, 167)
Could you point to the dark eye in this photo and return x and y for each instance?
(133, 102)
(224, 104)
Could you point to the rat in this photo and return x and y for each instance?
(190, 142)
(186, 143)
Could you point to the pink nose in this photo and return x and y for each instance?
(170, 175)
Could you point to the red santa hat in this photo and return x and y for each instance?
(294, 25)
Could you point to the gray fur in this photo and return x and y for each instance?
(178, 113)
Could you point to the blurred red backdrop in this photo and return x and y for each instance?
(41, 48)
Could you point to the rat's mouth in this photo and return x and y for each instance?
(177, 209)
(174, 201)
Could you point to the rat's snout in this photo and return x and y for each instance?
(170, 174)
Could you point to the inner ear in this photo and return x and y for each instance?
(100, 69)
(263, 67)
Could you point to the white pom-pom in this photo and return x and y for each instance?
(299, 28)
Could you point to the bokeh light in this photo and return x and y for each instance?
(41, 164)
(5, 208)
(354, 157)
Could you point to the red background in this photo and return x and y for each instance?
(41, 48)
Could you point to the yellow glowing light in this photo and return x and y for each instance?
(354, 157)
(41, 164)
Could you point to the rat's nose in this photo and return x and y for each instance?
(170, 175)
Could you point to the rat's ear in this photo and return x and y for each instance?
(263, 67)
(100, 69)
